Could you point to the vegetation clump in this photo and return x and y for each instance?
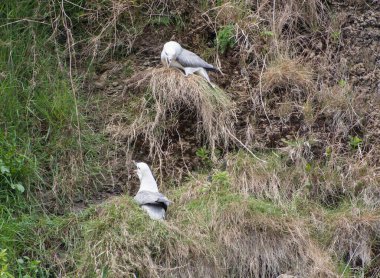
(225, 38)
(168, 93)
(274, 171)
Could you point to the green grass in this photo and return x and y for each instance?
(42, 127)
(221, 218)
(225, 38)
(41, 135)
(88, 246)
(119, 225)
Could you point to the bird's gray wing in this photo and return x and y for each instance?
(189, 59)
(152, 198)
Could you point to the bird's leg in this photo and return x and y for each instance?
(201, 72)
(189, 71)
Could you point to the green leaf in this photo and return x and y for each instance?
(266, 33)
(308, 167)
(4, 169)
(18, 186)
(3, 255)
(342, 83)
(355, 142)
(225, 38)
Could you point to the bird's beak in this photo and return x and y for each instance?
(134, 162)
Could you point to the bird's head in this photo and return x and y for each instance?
(147, 181)
(142, 169)
(170, 51)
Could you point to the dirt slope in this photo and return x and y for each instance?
(345, 52)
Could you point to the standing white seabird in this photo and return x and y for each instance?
(173, 55)
(148, 197)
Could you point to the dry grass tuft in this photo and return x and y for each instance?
(289, 16)
(210, 232)
(293, 173)
(262, 245)
(274, 181)
(285, 72)
(111, 27)
(168, 94)
(136, 245)
(356, 238)
(250, 237)
(266, 28)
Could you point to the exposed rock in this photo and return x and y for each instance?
(100, 84)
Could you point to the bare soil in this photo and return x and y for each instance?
(352, 55)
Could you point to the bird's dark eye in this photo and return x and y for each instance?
(166, 54)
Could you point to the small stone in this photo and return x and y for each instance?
(120, 87)
(110, 92)
(366, 77)
(99, 84)
(115, 83)
(358, 69)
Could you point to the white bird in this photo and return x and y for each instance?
(148, 197)
(173, 55)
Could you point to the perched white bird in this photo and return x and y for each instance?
(173, 55)
(148, 197)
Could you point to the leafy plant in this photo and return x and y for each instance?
(175, 20)
(266, 33)
(221, 179)
(28, 267)
(355, 142)
(5, 175)
(204, 155)
(218, 181)
(4, 272)
(160, 20)
(342, 83)
(328, 151)
(178, 22)
(308, 167)
(225, 38)
(335, 35)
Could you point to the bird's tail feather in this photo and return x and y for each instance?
(212, 69)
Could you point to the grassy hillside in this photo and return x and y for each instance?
(275, 171)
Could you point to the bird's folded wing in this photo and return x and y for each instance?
(189, 59)
(148, 197)
(163, 59)
(200, 71)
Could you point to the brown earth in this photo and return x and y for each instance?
(345, 50)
